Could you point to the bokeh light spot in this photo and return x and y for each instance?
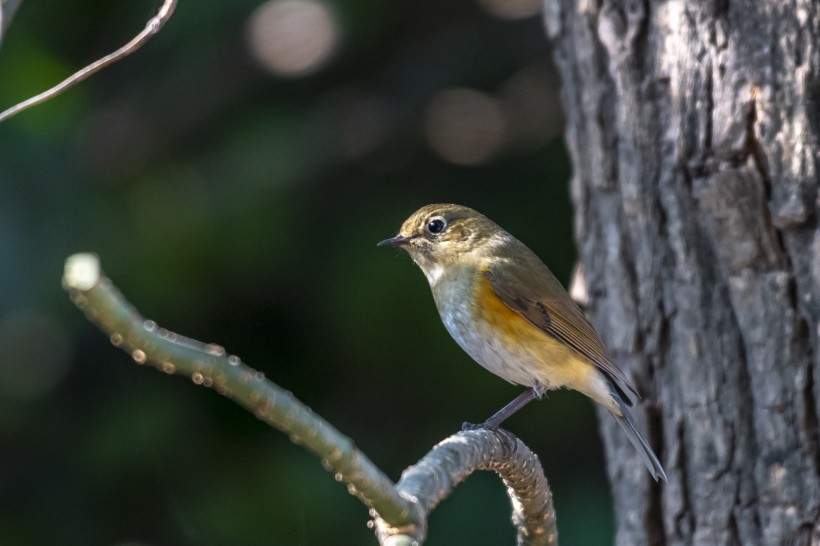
(292, 37)
(464, 126)
(531, 100)
(512, 9)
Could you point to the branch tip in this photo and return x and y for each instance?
(82, 271)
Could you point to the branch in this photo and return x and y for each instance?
(152, 27)
(399, 511)
(210, 366)
(454, 459)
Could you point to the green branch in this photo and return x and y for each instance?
(399, 510)
(211, 366)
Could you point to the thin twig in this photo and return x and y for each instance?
(209, 365)
(152, 27)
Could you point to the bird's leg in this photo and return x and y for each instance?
(519, 402)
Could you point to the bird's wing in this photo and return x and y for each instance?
(548, 307)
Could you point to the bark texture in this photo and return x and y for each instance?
(693, 128)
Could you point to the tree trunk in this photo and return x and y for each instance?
(693, 128)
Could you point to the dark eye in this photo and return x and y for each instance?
(436, 226)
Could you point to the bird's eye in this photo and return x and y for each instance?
(436, 226)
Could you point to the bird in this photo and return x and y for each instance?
(507, 311)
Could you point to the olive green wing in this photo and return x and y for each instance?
(543, 302)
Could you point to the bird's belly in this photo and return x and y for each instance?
(510, 363)
(518, 361)
(506, 344)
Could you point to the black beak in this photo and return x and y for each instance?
(398, 240)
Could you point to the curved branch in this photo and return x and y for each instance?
(399, 511)
(209, 365)
(151, 27)
(455, 458)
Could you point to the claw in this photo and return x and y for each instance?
(465, 426)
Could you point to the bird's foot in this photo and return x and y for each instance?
(465, 426)
(486, 425)
(505, 436)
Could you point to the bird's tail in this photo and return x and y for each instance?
(628, 425)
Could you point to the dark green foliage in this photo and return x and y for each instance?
(224, 204)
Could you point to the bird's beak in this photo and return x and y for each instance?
(398, 240)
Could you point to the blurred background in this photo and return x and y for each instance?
(234, 176)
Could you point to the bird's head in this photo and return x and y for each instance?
(439, 237)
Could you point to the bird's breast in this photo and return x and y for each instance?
(489, 331)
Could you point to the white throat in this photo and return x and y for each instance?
(434, 274)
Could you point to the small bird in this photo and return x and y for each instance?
(505, 308)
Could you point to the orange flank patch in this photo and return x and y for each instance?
(508, 324)
(556, 365)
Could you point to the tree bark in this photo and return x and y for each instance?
(693, 129)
